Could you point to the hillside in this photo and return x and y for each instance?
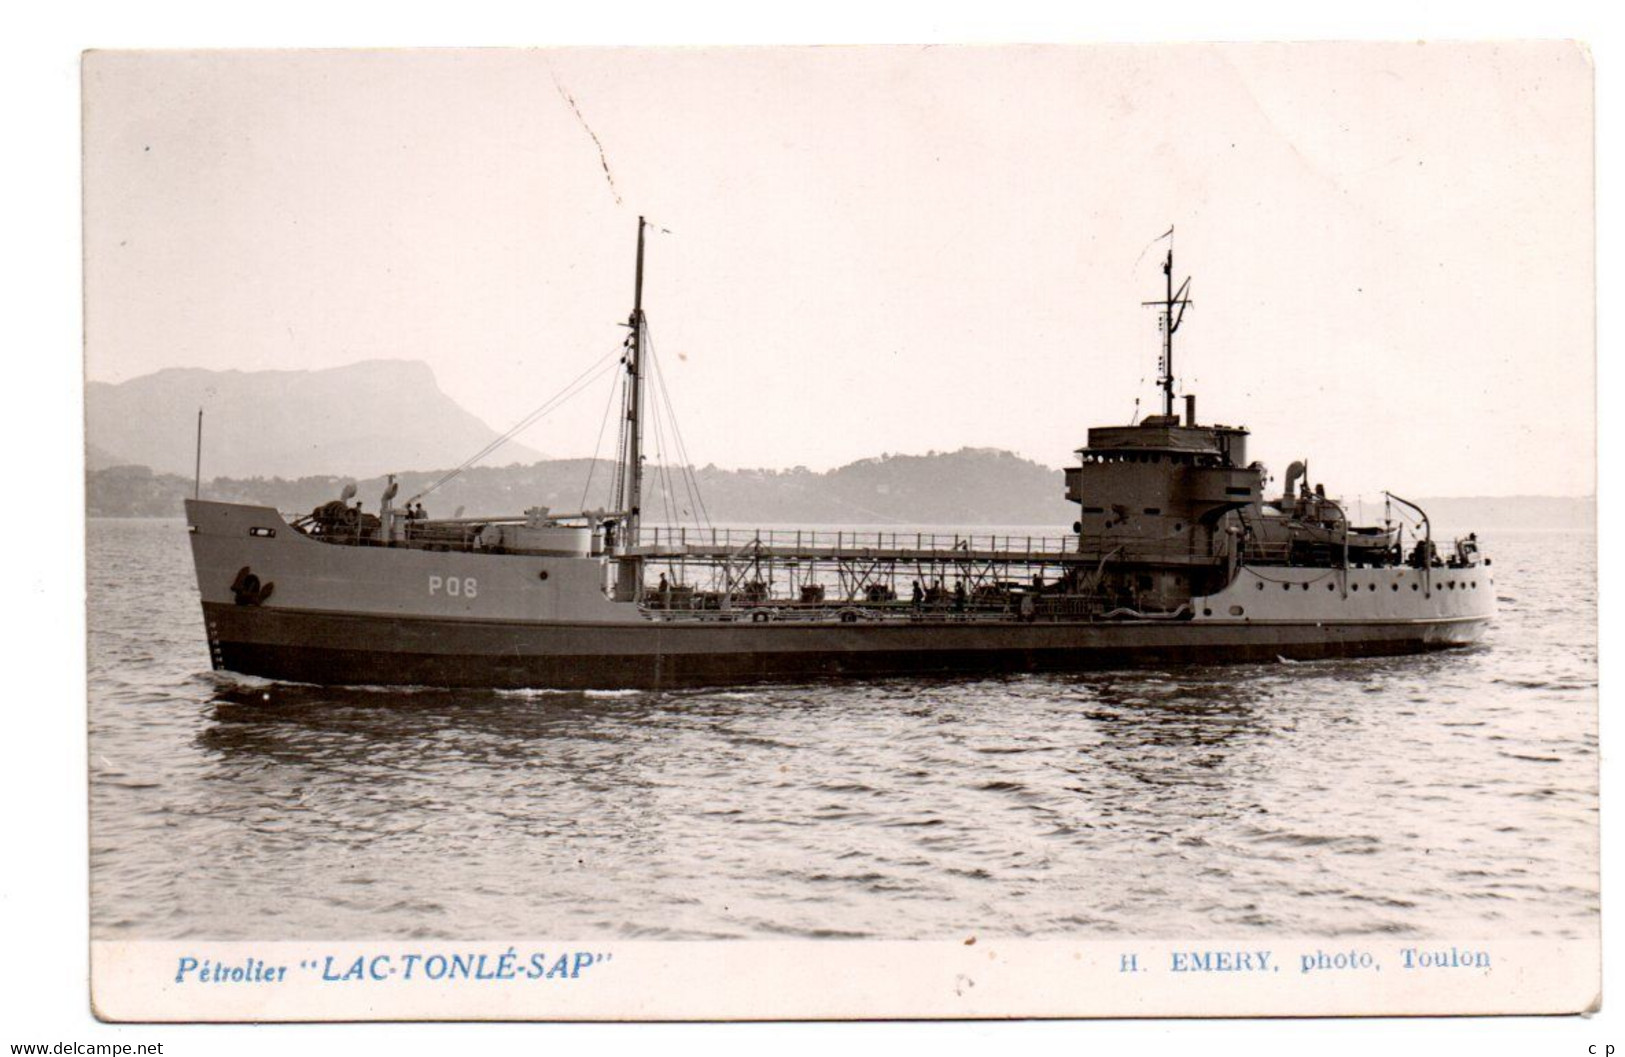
(363, 419)
(971, 486)
(968, 487)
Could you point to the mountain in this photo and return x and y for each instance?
(970, 486)
(973, 486)
(367, 418)
(98, 458)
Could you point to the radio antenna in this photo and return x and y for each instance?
(1168, 321)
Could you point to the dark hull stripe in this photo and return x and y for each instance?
(938, 618)
(339, 649)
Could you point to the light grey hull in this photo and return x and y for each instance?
(385, 616)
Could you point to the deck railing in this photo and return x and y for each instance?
(658, 541)
(745, 544)
(797, 540)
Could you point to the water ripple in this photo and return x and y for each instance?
(1450, 794)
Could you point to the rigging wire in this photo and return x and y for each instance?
(670, 425)
(691, 476)
(676, 504)
(581, 382)
(592, 467)
(662, 463)
(691, 481)
(685, 471)
(662, 470)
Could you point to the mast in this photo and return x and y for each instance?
(197, 465)
(1168, 333)
(632, 469)
(1169, 322)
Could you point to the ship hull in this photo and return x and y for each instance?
(351, 649)
(353, 616)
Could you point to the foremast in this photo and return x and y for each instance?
(629, 469)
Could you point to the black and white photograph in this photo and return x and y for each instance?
(1054, 530)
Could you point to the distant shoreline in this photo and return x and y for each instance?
(970, 487)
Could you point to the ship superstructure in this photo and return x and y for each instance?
(1177, 555)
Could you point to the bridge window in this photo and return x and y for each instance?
(1153, 510)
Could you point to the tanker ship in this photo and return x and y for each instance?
(1177, 556)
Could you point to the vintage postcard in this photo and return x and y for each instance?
(842, 532)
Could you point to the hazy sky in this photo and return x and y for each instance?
(885, 249)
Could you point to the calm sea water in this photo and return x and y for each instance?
(1449, 795)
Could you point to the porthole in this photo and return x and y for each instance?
(1415, 588)
(1237, 611)
(1394, 586)
(1261, 585)
(1306, 587)
(542, 575)
(1331, 587)
(1286, 587)
(1475, 584)
(1206, 612)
